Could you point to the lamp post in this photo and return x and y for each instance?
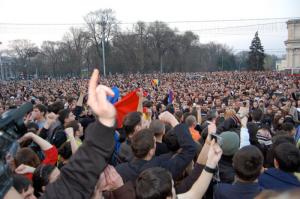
(2, 73)
(103, 26)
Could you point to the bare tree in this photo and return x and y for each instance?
(101, 25)
(162, 37)
(23, 50)
(77, 42)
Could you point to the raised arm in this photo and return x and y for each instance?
(200, 186)
(80, 99)
(188, 148)
(188, 182)
(141, 99)
(244, 134)
(80, 175)
(70, 133)
(45, 145)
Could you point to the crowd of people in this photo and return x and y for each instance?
(192, 135)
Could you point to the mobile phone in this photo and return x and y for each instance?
(218, 139)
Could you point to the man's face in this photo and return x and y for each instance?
(70, 118)
(37, 114)
(218, 102)
(28, 194)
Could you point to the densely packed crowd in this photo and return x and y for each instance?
(191, 135)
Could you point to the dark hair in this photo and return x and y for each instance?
(171, 141)
(288, 157)
(65, 150)
(170, 108)
(130, 121)
(41, 108)
(55, 107)
(147, 104)
(168, 127)
(142, 142)
(186, 115)
(256, 114)
(158, 127)
(247, 163)
(287, 126)
(212, 114)
(73, 124)
(32, 127)
(63, 114)
(279, 139)
(154, 183)
(178, 115)
(20, 183)
(70, 100)
(40, 177)
(28, 157)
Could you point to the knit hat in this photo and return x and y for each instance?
(231, 143)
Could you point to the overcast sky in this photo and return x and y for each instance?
(272, 34)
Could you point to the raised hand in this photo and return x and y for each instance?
(212, 128)
(168, 117)
(109, 180)
(140, 93)
(50, 119)
(214, 154)
(113, 178)
(97, 100)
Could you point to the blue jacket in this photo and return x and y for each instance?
(237, 190)
(278, 180)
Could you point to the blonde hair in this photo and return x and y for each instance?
(229, 113)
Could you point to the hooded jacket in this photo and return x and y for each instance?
(277, 179)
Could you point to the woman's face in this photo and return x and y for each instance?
(255, 104)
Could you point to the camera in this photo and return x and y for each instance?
(11, 128)
(218, 139)
(296, 96)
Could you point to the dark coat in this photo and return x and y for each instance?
(175, 163)
(237, 190)
(55, 134)
(79, 177)
(276, 179)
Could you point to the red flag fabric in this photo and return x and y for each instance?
(127, 104)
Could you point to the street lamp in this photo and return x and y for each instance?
(103, 26)
(2, 73)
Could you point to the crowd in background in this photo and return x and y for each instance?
(193, 135)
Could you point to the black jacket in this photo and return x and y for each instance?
(175, 163)
(237, 190)
(55, 134)
(79, 177)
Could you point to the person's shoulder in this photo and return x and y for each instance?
(221, 190)
(122, 166)
(223, 186)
